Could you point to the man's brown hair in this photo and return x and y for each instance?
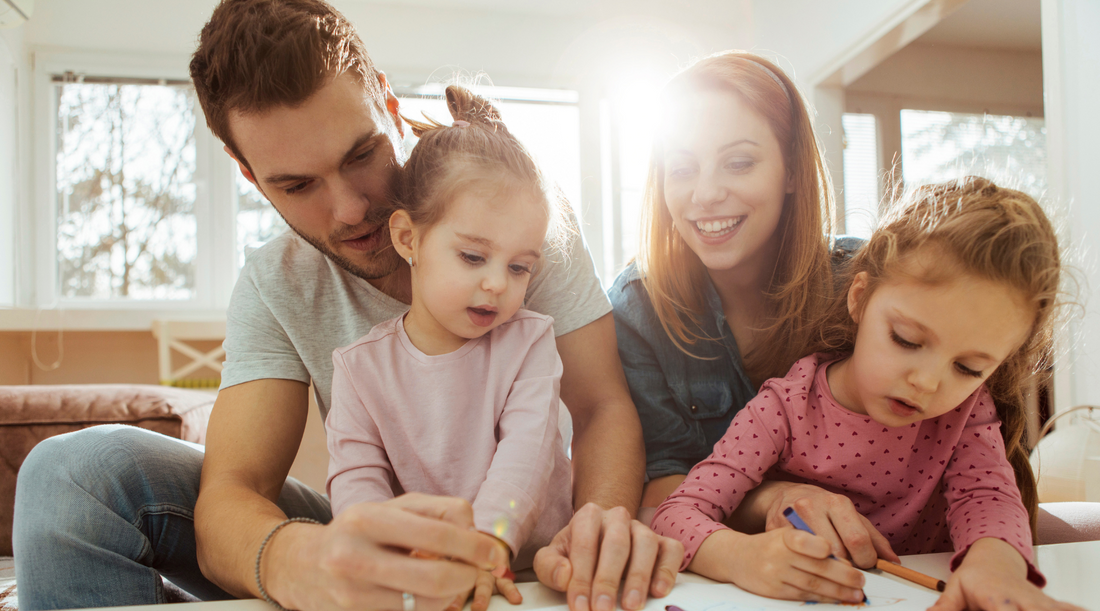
(255, 55)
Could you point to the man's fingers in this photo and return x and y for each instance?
(614, 554)
(551, 563)
(584, 549)
(643, 555)
(459, 601)
(441, 579)
(384, 598)
(670, 555)
(396, 526)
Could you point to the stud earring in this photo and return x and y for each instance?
(410, 261)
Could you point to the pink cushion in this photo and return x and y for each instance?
(29, 414)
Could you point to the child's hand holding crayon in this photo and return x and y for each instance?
(500, 580)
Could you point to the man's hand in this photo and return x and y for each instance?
(831, 516)
(361, 559)
(588, 558)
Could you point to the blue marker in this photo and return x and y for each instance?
(796, 521)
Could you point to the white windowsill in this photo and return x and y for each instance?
(106, 319)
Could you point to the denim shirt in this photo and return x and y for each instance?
(685, 404)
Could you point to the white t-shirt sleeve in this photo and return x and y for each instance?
(256, 344)
(567, 287)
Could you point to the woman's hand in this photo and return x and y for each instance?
(993, 577)
(831, 516)
(783, 563)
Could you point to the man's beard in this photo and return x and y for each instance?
(380, 263)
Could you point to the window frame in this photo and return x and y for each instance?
(215, 205)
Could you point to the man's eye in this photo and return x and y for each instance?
(471, 258)
(296, 188)
(904, 343)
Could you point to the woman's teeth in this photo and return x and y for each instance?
(716, 228)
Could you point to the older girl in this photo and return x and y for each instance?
(914, 409)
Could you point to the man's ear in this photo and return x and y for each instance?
(393, 105)
(856, 293)
(244, 169)
(402, 233)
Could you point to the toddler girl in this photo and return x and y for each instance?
(459, 396)
(948, 312)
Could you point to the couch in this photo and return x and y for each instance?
(30, 414)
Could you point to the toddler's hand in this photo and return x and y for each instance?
(499, 580)
(993, 577)
(782, 563)
(483, 589)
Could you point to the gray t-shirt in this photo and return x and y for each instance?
(292, 307)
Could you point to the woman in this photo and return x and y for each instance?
(735, 260)
(735, 257)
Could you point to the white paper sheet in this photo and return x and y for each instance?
(880, 592)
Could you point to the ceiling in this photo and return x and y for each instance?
(993, 24)
(990, 24)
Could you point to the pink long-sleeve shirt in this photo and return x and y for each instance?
(480, 423)
(932, 486)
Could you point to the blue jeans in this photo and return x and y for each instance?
(102, 514)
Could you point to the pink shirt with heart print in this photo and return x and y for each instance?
(934, 486)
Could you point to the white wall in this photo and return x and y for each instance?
(12, 151)
(811, 34)
(1071, 63)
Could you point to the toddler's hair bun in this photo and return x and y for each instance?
(465, 105)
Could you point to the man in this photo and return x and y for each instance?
(289, 89)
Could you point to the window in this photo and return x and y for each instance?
(125, 188)
(137, 208)
(939, 146)
(861, 174)
(257, 220)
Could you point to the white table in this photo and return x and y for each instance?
(1072, 571)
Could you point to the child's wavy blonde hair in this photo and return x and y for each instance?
(993, 233)
(475, 151)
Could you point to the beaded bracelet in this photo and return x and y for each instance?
(260, 555)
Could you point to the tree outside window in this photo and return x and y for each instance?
(126, 225)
